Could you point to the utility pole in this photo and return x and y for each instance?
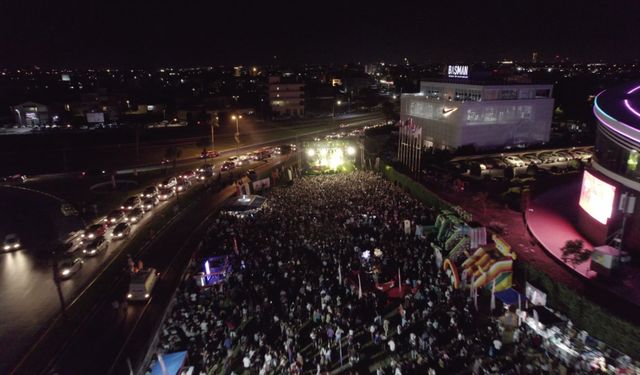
(56, 279)
(214, 123)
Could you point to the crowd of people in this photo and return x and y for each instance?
(330, 277)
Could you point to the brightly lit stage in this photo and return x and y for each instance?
(330, 155)
(550, 220)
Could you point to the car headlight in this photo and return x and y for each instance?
(91, 235)
(129, 295)
(113, 220)
(133, 219)
(16, 245)
(7, 247)
(65, 272)
(146, 295)
(82, 235)
(119, 234)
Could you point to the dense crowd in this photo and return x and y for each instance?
(314, 289)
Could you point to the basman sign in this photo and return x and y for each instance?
(458, 71)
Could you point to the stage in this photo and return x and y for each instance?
(550, 219)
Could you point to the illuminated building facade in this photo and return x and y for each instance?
(459, 113)
(286, 97)
(614, 218)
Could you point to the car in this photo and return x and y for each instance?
(165, 161)
(205, 154)
(141, 284)
(183, 185)
(15, 179)
(531, 159)
(244, 157)
(115, 217)
(93, 173)
(228, 165)
(68, 210)
(121, 230)
(548, 157)
(188, 175)
(131, 203)
(582, 155)
(69, 267)
(11, 242)
(135, 215)
(150, 192)
(96, 246)
(168, 183)
(251, 173)
(165, 193)
(94, 231)
(565, 155)
(205, 168)
(514, 161)
(149, 203)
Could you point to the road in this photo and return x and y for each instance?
(28, 282)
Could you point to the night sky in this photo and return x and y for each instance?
(190, 33)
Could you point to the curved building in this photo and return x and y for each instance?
(609, 212)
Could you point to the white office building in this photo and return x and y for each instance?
(455, 114)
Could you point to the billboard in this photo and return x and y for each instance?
(596, 197)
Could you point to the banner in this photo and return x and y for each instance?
(261, 184)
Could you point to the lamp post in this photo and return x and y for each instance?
(213, 124)
(333, 111)
(237, 135)
(19, 116)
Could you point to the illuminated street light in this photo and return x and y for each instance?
(237, 118)
(311, 152)
(351, 151)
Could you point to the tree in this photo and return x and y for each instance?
(574, 252)
(173, 153)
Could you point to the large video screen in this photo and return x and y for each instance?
(596, 197)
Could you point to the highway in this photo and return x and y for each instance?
(27, 279)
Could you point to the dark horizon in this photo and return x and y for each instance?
(153, 35)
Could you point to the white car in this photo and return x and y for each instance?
(11, 242)
(67, 268)
(514, 161)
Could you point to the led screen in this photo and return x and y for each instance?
(596, 197)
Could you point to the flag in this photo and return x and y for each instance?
(340, 273)
(162, 365)
(235, 246)
(359, 287)
(493, 295)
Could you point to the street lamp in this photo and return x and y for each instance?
(19, 116)
(333, 110)
(237, 135)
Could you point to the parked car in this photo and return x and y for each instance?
(165, 193)
(94, 231)
(115, 217)
(149, 203)
(131, 203)
(548, 157)
(581, 155)
(121, 230)
(514, 161)
(531, 159)
(499, 163)
(209, 154)
(11, 242)
(565, 155)
(69, 267)
(168, 183)
(96, 246)
(150, 192)
(135, 215)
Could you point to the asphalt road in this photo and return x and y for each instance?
(27, 280)
(100, 340)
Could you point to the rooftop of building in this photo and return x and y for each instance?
(621, 103)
